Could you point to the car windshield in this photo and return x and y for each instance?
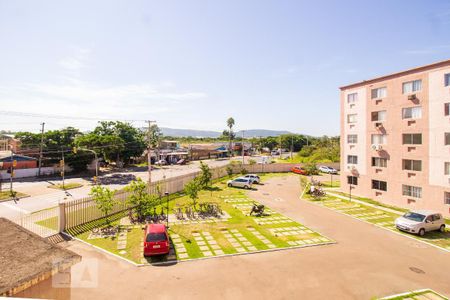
(156, 237)
(414, 216)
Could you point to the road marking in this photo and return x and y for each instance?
(13, 207)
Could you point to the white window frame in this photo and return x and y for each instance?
(352, 138)
(378, 139)
(378, 93)
(415, 165)
(352, 98)
(379, 162)
(352, 118)
(412, 86)
(447, 109)
(447, 168)
(352, 159)
(412, 191)
(378, 187)
(380, 116)
(447, 197)
(447, 138)
(414, 112)
(447, 79)
(412, 138)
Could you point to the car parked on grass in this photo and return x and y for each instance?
(156, 240)
(420, 221)
(241, 182)
(299, 170)
(328, 170)
(253, 177)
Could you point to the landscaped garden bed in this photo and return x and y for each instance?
(235, 232)
(67, 186)
(7, 195)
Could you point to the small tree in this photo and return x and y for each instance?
(140, 198)
(104, 200)
(191, 189)
(205, 176)
(251, 162)
(229, 170)
(311, 169)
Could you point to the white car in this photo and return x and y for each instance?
(328, 170)
(253, 177)
(420, 221)
(241, 182)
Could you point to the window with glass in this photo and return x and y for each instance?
(379, 93)
(412, 191)
(412, 86)
(447, 109)
(412, 139)
(412, 165)
(379, 185)
(447, 168)
(447, 79)
(352, 98)
(447, 138)
(351, 118)
(353, 180)
(412, 112)
(379, 139)
(352, 139)
(379, 162)
(379, 115)
(352, 159)
(447, 197)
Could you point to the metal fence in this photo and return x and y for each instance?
(44, 223)
(83, 211)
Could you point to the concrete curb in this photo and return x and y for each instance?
(387, 229)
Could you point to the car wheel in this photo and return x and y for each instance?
(421, 232)
(230, 185)
(246, 187)
(442, 228)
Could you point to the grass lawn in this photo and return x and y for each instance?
(7, 195)
(235, 233)
(378, 217)
(334, 184)
(67, 186)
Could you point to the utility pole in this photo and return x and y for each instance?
(149, 146)
(12, 172)
(62, 165)
(243, 147)
(40, 148)
(292, 145)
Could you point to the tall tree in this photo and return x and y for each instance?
(230, 124)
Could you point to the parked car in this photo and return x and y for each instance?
(328, 170)
(254, 178)
(161, 162)
(241, 182)
(420, 221)
(156, 240)
(299, 170)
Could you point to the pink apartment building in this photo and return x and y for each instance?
(395, 138)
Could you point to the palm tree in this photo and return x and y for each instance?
(230, 124)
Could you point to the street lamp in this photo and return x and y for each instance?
(167, 195)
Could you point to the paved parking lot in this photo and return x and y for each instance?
(366, 262)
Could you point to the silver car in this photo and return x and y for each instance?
(241, 182)
(420, 221)
(253, 177)
(328, 170)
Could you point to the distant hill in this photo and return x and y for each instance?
(214, 134)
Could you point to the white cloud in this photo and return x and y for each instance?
(77, 61)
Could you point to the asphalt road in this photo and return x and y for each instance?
(365, 262)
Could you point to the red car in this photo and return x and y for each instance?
(299, 170)
(156, 240)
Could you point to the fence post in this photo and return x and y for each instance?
(62, 217)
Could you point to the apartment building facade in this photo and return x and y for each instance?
(395, 138)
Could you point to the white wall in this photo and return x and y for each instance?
(23, 173)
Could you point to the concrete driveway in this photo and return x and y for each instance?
(366, 262)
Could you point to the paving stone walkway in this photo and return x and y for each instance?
(239, 242)
(122, 240)
(207, 244)
(288, 231)
(179, 246)
(262, 238)
(273, 220)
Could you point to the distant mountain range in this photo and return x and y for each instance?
(213, 134)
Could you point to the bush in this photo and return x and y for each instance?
(311, 169)
(244, 171)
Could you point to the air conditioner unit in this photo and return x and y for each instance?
(374, 147)
(412, 97)
(379, 148)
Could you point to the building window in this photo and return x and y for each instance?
(352, 159)
(379, 93)
(352, 98)
(379, 185)
(412, 191)
(447, 138)
(351, 118)
(447, 168)
(447, 79)
(379, 162)
(412, 139)
(447, 197)
(447, 109)
(379, 115)
(412, 165)
(353, 180)
(352, 139)
(379, 139)
(412, 86)
(412, 112)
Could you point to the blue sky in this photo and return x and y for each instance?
(192, 64)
